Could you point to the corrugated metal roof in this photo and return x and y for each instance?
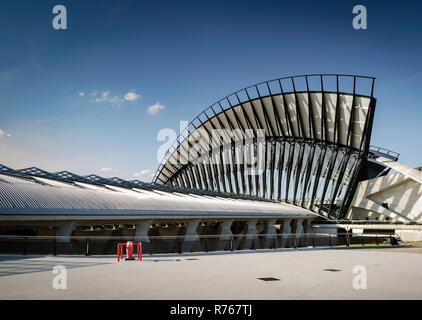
(38, 195)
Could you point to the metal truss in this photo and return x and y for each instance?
(68, 177)
(317, 137)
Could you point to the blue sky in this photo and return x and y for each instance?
(185, 55)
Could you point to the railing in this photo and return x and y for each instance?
(103, 245)
(357, 222)
(391, 154)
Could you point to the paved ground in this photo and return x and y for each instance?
(391, 274)
(10, 265)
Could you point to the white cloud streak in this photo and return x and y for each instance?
(103, 97)
(144, 174)
(115, 100)
(155, 108)
(132, 96)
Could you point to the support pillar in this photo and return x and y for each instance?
(286, 237)
(225, 235)
(270, 237)
(191, 236)
(251, 235)
(307, 225)
(141, 231)
(63, 233)
(299, 233)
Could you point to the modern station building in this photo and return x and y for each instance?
(283, 157)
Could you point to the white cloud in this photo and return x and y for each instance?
(104, 97)
(4, 134)
(132, 96)
(115, 101)
(106, 169)
(155, 108)
(144, 174)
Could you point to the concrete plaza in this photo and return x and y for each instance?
(392, 273)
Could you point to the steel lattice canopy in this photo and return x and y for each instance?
(316, 133)
(34, 171)
(4, 169)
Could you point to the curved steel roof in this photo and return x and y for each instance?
(25, 194)
(325, 108)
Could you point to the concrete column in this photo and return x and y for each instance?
(286, 239)
(251, 235)
(225, 235)
(270, 237)
(191, 237)
(64, 231)
(299, 233)
(141, 231)
(308, 231)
